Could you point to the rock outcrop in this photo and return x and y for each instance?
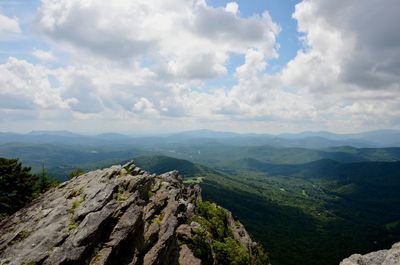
(123, 215)
(381, 257)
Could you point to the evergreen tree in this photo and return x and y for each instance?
(18, 186)
(44, 181)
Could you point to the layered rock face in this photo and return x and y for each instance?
(381, 257)
(123, 215)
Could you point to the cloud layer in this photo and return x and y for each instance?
(163, 63)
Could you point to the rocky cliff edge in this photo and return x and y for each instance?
(123, 215)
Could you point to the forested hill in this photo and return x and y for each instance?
(301, 203)
(313, 213)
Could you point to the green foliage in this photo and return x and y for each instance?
(120, 195)
(73, 223)
(201, 247)
(213, 242)
(44, 181)
(195, 180)
(17, 185)
(273, 208)
(260, 256)
(157, 219)
(347, 193)
(230, 252)
(393, 225)
(3, 215)
(213, 218)
(150, 194)
(77, 202)
(76, 173)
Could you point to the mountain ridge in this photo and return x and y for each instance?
(308, 139)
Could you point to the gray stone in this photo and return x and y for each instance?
(381, 257)
(186, 257)
(117, 215)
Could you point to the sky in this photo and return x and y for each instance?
(137, 66)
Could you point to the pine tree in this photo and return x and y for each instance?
(44, 182)
(18, 186)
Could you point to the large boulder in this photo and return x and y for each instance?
(117, 215)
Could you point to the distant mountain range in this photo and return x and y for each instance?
(315, 140)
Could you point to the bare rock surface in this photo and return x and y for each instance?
(381, 257)
(117, 215)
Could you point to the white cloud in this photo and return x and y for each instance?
(147, 64)
(355, 43)
(232, 7)
(8, 26)
(254, 63)
(348, 69)
(46, 56)
(184, 39)
(143, 105)
(27, 86)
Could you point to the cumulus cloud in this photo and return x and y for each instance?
(359, 39)
(371, 27)
(185, 39)
(28, 86)
(337, 81)
(150, 61)
(8, 26)
(347, 69)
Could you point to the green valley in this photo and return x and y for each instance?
(307, 206)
